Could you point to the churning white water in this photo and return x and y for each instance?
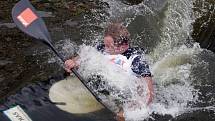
(172, 57)
(172, 83)
(123, 83)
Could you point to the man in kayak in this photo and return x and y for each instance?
(116, 43)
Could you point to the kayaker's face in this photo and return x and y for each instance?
(111, 48)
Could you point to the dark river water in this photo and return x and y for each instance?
(169, 30)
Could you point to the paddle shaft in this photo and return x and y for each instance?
(74, 71)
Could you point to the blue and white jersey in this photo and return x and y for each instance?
(131, 61)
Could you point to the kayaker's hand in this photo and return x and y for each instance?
(120, 116)
(150, 98)
(150, 93)
(70, 64)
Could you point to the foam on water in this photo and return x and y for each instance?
(177, 26)
(171, 61)
(93, 62)
(172, 75)
(173, 83)
(174, 92)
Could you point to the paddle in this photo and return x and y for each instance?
(26, 18)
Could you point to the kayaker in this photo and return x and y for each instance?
(116, 43)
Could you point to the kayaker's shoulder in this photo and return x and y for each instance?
(133, 51)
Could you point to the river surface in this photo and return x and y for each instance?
(183, 72)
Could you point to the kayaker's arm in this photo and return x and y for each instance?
(150, 93)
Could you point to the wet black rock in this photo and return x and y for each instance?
(204, 26)
(132, 2)
(8, 25)
(4, 62)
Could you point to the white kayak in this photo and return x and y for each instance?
(77, 99)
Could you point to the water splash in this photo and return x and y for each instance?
(172, 61)
(120, 84)
(174, 91)
(177, 26)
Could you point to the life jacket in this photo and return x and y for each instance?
(131, 61)
(122, 62)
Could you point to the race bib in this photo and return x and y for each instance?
(17, 114)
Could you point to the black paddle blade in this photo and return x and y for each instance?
(26, 18)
